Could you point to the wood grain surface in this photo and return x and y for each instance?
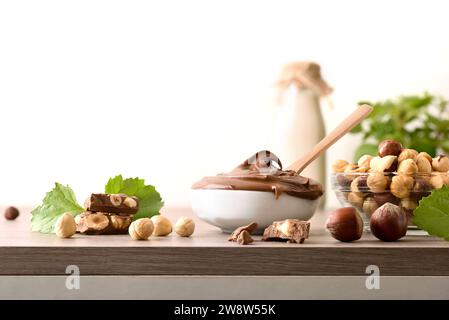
(208, 252)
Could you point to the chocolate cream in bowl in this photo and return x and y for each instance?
(263, 172)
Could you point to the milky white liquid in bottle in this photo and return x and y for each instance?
(299, 124)
(298, 128)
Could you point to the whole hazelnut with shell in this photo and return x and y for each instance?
(345, 224)
(389, 222)
(389, 148)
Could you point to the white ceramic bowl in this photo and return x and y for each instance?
(230, 209)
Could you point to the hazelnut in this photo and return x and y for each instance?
(11, 213)
(409, 204)
(389, 222)
(130, 202)
(425, 155)
(422, 188)
(141, 229)
(162, 226)
(120, 222)
(374, 163)
(345, 224)
(97, 221)
(65, 226)
(389, 148)
(351, 168)
(385, 164)
(377, 182)
(441, 163)
(382, 198)
(407, 154)
(115, 199)
(185, 227)
(339, 166)
(369, 206)
(423, 164)
(401, 186)
(408, 166)
(342, 180)
(355, 199)
(437, 181)
(364, 161)
(359, 184)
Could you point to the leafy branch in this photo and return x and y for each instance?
(419, 122)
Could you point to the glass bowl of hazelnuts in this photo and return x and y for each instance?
(397, 175)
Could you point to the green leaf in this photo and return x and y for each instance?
(150, 201)
(432, 214)
(363, 149)
(59, 200)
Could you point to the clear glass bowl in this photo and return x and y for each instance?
(367, 191)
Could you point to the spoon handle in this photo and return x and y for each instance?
(344, 127)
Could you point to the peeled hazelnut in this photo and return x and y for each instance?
(409, 204)
(389, 148)
(115, 199)
(408, 166)
(374, 163)
(364, 161)
(369, 206)
(65, 226)
(97, 221)
(437, 181)
(350, 168)
(423, 164)
(425, 155)
(185, 227)
(355, 199)
(401, 186)
(377, 182)
(345, 224)
(382, 198)
(339, 166)
(441, 163)
(407, 154)
(141, 229)
(359, 184)
(385, 164)
(130, 202)
(162, 226)
(120, 222)
(11, 213)
(389, 222)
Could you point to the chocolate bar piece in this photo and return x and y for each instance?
(102, 223)
(112, 203)
(291, 230)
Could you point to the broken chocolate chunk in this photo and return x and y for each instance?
(244, 238)
(249, 228)
(290, 230)
(112, 203)
(102, 223)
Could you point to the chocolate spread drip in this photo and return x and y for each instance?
(263, 172)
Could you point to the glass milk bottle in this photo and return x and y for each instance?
(299, 124)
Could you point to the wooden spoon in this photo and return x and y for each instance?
(343, 128)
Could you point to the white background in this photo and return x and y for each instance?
(173, 90)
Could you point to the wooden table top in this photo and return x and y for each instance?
(208, 252)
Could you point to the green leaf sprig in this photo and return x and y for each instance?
(419, 122)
